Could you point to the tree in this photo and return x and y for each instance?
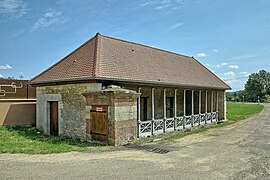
(258, 85)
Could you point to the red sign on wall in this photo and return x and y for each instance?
(99, 108)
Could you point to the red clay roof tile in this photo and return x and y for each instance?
(109, 58)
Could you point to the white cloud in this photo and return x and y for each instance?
(144, 4)
(201, 55)
(49, 18)
(229, 78)
(217, 65)
(229, 74)
(13, 8)
(233, 82)
(174, 26)
(5, 66)
(234, 66)
(215, 50)
(165, 4)
(1, 76)
(243, 72)
(222, 64)
(248, 56)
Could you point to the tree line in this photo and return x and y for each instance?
(257, 88)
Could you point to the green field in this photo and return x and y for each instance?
(27, 140)
(239, 111)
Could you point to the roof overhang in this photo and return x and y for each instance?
(130, 81)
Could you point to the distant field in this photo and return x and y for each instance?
(239, 111)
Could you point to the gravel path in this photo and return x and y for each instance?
(239, 151)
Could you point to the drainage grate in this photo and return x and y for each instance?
(148, 148)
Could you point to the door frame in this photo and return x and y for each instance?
(46, 116)
(50, 118)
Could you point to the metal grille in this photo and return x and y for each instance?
(152, 149)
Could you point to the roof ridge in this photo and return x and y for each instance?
(145, 46)
(62, 59)
(96, 56)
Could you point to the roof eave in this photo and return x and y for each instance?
(127, 80)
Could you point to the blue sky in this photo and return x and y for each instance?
(231, 38)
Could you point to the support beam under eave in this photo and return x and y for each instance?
(200, 105)
(153, 109)
(139, 112)
(206, 101)
(217, 106)
(139, 105)
(175, 107)
(200, 102)
(184, 123)
(192, 107)
(184, 103)
(212, 105)
(225, 106)
(217, 103)
(164, 110)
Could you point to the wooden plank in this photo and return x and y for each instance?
(54, 118)
(99, 123)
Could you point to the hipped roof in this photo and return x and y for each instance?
(107, 58)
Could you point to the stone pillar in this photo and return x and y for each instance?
(122, 112)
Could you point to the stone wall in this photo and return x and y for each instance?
(71, 104)
(74, 109)
(122, 113)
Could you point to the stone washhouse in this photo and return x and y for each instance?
(116, 91)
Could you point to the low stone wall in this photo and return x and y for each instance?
(17, 113)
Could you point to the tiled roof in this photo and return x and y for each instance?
(108, 58)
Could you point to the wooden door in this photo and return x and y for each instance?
(99, 123)
(54, 118)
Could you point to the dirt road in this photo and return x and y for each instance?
(239, 151)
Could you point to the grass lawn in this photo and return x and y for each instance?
(235, 112)
(239, 111)
(27, 140)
